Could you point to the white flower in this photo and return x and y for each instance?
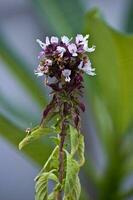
(91, 49)
(73, 49)
(80, 39)
(65, 39)
(66, 73)
(47, 41)
(48, 62)
(54, 40)
(38, 72)
(86, 67)
(61, 50)
(41, 70)
(80, 66)
(42, 45)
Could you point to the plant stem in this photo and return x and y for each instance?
(61, 158)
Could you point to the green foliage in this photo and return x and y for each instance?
(42, 185)
(111, 97)
(72, 185)
(52, 162)
(47, 172)
(14, 135)
(77, 145)
(33, 135)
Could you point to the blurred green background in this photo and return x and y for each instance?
(107, 122)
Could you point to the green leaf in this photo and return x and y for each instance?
(41, 186)
(35, 134)
(110, 91)
(41, 183)
(52, 196)
(77, 145)
(126, 195)
(75, 193)
(80, 151)
(74, 138)
(14, 135)
(110, 94)
(72, 185)
(52, 162)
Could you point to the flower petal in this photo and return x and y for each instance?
(65, 39)
(54, 39)
(42, 45)
(91, 49)
(47, 41)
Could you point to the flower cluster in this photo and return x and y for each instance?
(65, 60)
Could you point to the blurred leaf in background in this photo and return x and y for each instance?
(111, 96)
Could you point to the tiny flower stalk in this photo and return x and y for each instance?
(62, 62)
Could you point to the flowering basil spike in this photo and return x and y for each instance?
(62, 57)
(63, 62)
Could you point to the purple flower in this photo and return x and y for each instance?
(54, 40)
(65, 40)
(61, 50)
(86, 67)
(73, 49)
(63, 58)
(41, 54)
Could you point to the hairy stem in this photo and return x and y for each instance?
(61, 151)
(61, 158)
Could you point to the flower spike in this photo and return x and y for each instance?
(62, 62)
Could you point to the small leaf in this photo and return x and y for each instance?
(75, 193)
(72, 185)
(74, 137)
(53, 195)
(35, 134)
(52, 162)
(81, 150)
(77, 145)
(41, 187)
